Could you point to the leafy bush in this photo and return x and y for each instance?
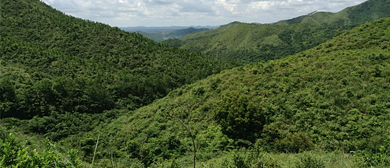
(310, 162)
(294, 142)
(380, 157)
(239, 117)
(16, 154)
(251, 158)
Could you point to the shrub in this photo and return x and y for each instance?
(16, 154)
(294, 142)
(310, 162)
(239, 117)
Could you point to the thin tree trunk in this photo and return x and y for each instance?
(192, 137)
(94, 153)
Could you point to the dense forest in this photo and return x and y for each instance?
(251, 42)
(76, 93)
(334, 97)
(56, 67)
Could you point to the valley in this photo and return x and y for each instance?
(312, 91)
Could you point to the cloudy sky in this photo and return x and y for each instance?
(123, 13)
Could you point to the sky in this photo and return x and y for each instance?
(131, 13)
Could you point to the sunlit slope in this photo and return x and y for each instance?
(332, 97)
(365, 12)
(248, 43)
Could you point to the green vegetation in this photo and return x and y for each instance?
(75, 93)
(331, 98)
(248, 43)
(16, 154)
(56, 69)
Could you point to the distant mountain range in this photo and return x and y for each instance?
(163, 29)
(251, 42)
(159, 34)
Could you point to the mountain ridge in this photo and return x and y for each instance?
(251, 42)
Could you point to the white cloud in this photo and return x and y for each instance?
(193, 12)
(228, 6)
(263, 5)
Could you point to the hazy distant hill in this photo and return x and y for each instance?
(163, 29)
(159, 34)
(256, 42)
(334, 97)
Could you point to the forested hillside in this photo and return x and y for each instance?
(76, 93)
(249, 43)
(325, 107)
(57, 68)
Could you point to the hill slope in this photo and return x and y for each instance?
(248, 43)
(332, 97)
(56, 68)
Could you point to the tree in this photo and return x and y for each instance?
(7, 97)
(239, 117)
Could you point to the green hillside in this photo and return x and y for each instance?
(56, 68)
(248, 43)
(325, 107)
(76, 93)
(365, 12)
